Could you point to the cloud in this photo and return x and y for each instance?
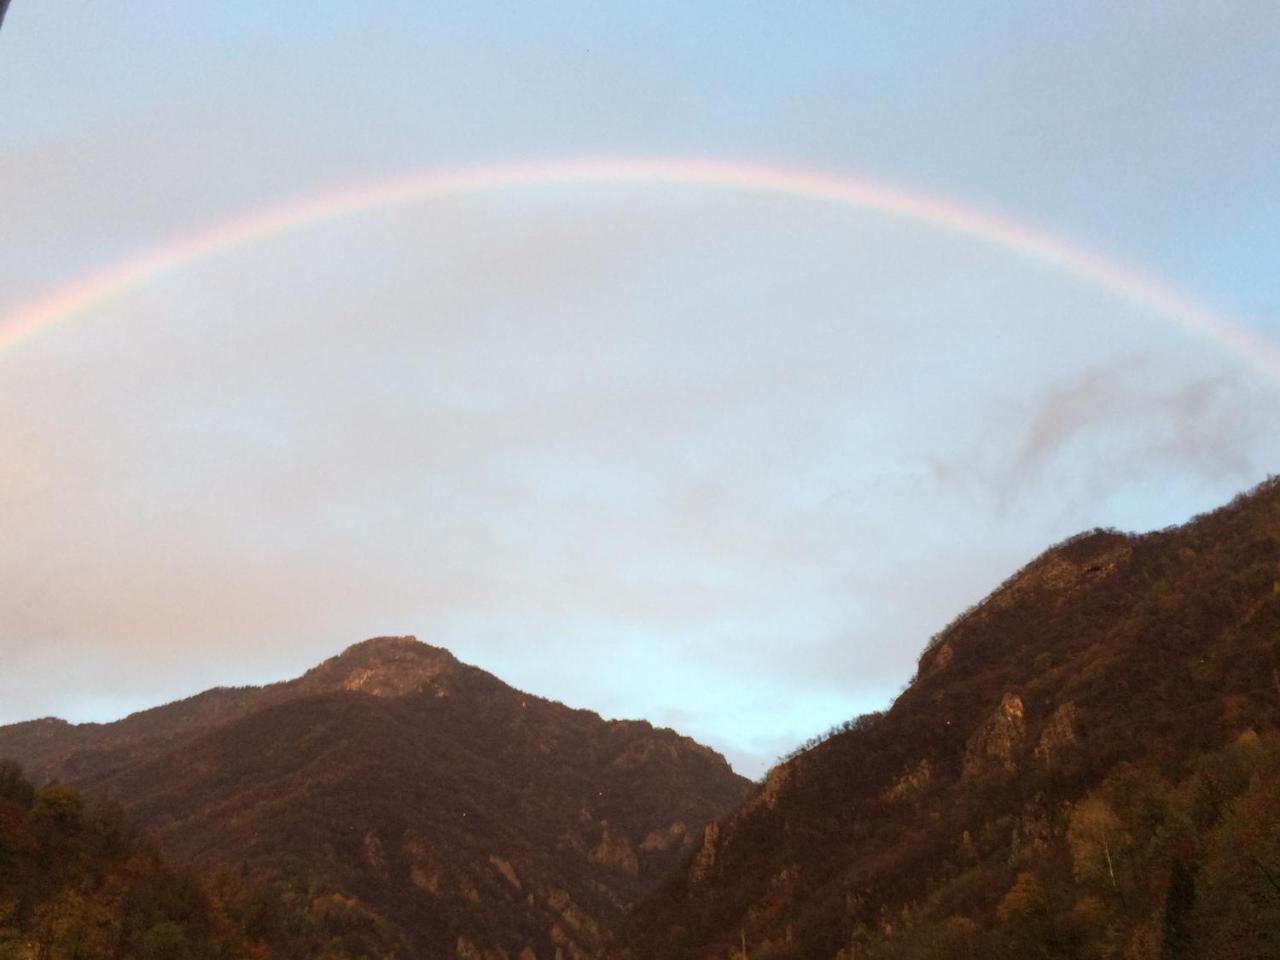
(1110, 428)
(1201, 424)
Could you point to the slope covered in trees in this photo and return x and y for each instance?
(463, 816)
(76, 881)
(1086, 765)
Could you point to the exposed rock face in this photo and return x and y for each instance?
(938, 659)
(675, 835)
(1058, 735)
(1065, 570)
(706, 858)
(996, 742)
(384, 667)
(507, 871)
(774, 785)
(616, 851)
(911, 782)
(418, 787)
(1054, 578)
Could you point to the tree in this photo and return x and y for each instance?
(14, 787)
(1179, 902)
(166, 941)
(58, 808)
(1024, 899)
(1094, 835)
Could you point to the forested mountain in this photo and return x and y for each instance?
(1086, 765)
(76, 881)
(455, 815)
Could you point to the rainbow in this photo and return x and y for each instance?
(861, 193)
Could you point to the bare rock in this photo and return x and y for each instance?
(506, 870)
(659, 840)
(1058, 735)
(706, 857)
(995, 744)
(615, 851)
(911, 782)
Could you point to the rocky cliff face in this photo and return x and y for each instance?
(995, 744)
(1087, 764)
(478, 820)
(383, 667)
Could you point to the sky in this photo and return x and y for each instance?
(720, 458)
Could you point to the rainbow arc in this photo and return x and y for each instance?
(1125, 282)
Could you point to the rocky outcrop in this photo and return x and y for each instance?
(911, 782)
(936, 659)
(1064, 570)
(615, 851)
(385, 667)
(506, 871)
(995, 744)
(1058, 735)
(672, 836)
(573, 931)
(774, 783)
(465, 949)
(706, 858)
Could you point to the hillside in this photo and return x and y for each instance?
(476, 820)
(1087, 764)
(77, 881)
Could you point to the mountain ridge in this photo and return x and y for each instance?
(473, 818)
(1066, 776)
(49, 744)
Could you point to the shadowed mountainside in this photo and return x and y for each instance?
(1086, 765)
(77, 881)
(479, 820)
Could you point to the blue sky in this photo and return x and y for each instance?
(718, 460)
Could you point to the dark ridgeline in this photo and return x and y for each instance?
(422, 802)
(1086, 765)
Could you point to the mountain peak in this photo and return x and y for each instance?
(384, 667)
(383, 645)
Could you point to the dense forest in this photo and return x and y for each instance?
(1087, 765)
(78, 883)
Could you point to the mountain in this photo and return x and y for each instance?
(473, 819)
(1086, 765)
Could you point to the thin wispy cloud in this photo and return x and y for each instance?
(1112, 427)
(1201, 425)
